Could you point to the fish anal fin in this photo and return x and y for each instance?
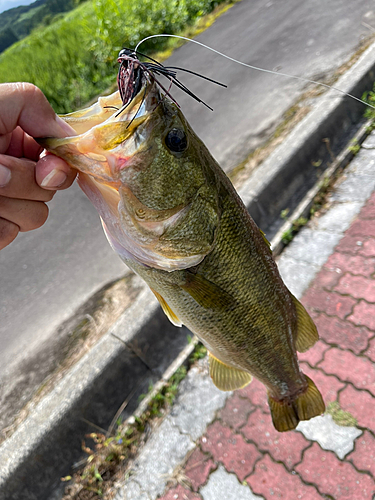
(225, 377)
(306, 334)
(167, 310)
(206, 293)
(287, 414)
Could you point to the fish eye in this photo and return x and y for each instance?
(176, 140)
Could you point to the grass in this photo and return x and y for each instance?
(108, 456)
(339, 416)
(74, 59)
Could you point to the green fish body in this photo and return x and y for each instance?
(175, 219)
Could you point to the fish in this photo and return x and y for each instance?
(175, 219)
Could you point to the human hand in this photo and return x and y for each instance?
(27, 181)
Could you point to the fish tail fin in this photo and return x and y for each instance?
(286, 415)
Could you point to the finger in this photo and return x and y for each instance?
(26, 214)
(8, 232)
(25, 105)
(21, 145)
(54, 173)
(17, 180)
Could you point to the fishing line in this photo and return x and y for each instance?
(255, 67)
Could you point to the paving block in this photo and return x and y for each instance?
(180, 493)
(334, 477)
(339, 217)
(329, 435)
(230, 449)
(198, 468)
(370, 351)
(363, 456)
(272, 480)
(222, 485)
(358, 370)
(363, 163)
(257, 394)
(326, 279)
(368, 248)
(236, 411)
(296, 275)
(360, 404)
(353, 264)
(132, 492)
(356, 187)
(349, 244)
(312, 247)
(328, 385)
(343, 333)
(362, 228)
(333, 304)
(358, 287)
(197, 404)
(286, 447)
(315, 354)
(363, 315)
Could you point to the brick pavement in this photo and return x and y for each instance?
(274, 465)
(241, 456)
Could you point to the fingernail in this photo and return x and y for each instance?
(54, 179)
(67, 129)
(5, 175)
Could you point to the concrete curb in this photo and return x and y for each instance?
(142, 344)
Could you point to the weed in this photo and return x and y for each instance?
(289, 234)
(339, 416)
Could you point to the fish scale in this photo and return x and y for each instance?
(175, 219)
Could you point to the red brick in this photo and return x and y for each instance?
(362, 228)
(230, 449)
(367, 212)
(357, 286)
(343, 333)
(284, 447)
(333, 477)
(326, 279)
(360, 404)
(315, 353)
(349, 244)
(236, 411)
(331, 303)
(180, 493)
(368, 248)
(328, 385)
(370, 351)
(363, 314)
(358, 370)
(272, 481)
(363, 456)
(354, 264)
(257, 394)
(198, 468)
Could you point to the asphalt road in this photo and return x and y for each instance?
(49, 273)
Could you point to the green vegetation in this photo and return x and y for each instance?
(339, 416)
(19, 22)
(74, 59)
(289, 234)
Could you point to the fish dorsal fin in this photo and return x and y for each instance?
(225, 377)
(307, 334)
(265, 239)
(167, 310)
(206, 293)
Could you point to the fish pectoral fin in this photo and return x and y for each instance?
(265, 240)
(206, 293)
(287, 414)
(167, 310)
(225, 377)
(306, 332)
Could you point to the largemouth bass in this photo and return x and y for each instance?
(175, 219)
